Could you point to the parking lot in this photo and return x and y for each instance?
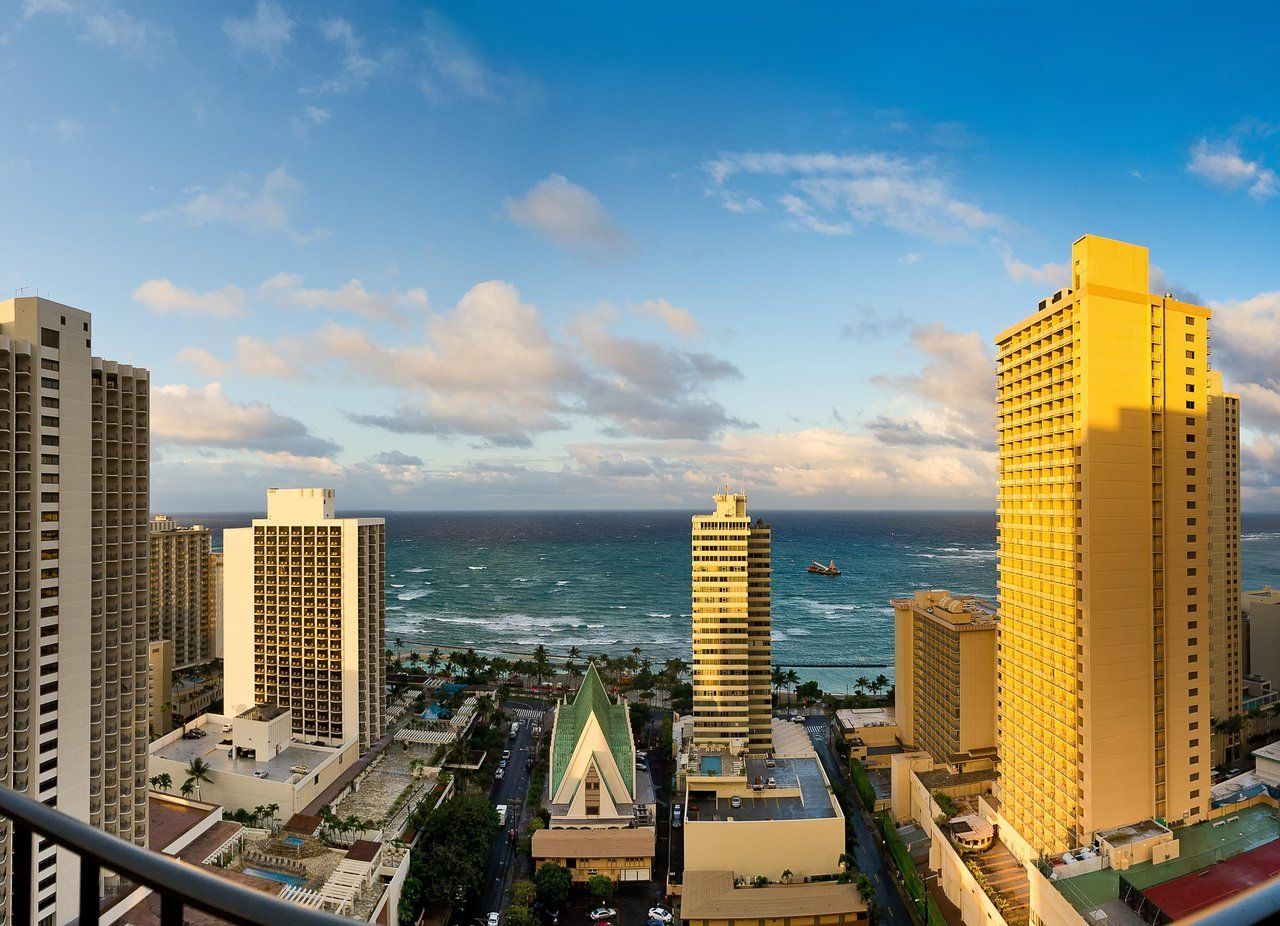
(632, 901)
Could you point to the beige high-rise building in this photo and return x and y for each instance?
(183, 600)
(1106, 555)
(305, 609)
(731, 627)
(944, 648)
(74, 500)
(1225, 617)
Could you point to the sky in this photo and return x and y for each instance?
(506, 255)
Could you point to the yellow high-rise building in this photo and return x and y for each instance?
(1106, 555)
(731, 625)
(183, 600)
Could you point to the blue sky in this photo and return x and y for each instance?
(489, 255)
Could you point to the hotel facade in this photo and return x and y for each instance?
(74, 459)
(732, 649)
(305, 610)
(1109, 537)
(183, 600)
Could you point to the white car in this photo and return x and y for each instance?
(260, 773)
(661, 915)
(603, 913)
(735, 802)
(493, 919)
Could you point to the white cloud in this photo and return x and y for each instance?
(490, 368)
(100, 23)
(834, 194)
(679, 320)
(205, 363)
(1050, 275)
(356, 67)
(68, 130)
(570, 215)
(911, 257)
(451, 66)
(1222, 165)
(287, 289)
(264, 208)
(164, 298)
(311, 116)
(205, 417)
(281, 360)
(265, 33)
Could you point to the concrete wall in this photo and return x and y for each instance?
(765, 847)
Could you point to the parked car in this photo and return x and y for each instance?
(502, 764)
(494, 919)
(661, 915)
(506, 753)
(602, 913)
(772, 782)
(500, 774)
(770, 761)
(735, 802)
(261, 773)
(300, 769)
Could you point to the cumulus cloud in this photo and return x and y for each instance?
(163, 297)
(568, 214)
(1049, 275)
(261, 208)
(100, 23)
(204, 362)
(492, 369)
(264, 33)
(834, 194)
(205, 417)
(956, 383)
(679, 320)
(1221, 164)
(287, 290)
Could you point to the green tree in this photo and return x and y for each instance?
(524, 893)
(553, 882)
(541, 664)
(188, 787)
(199, 772)
(433, 660)
(600, 886)
(520, 915)
(447, 864)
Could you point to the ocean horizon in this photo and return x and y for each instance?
(605, 582)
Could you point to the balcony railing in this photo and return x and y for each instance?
(178, 886)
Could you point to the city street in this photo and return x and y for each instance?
(866, 852)
(510, 791)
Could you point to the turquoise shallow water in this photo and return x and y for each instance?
(606, 582)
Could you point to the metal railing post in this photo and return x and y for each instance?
(23, 903)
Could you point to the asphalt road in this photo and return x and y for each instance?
(510, 791)
(866, 852)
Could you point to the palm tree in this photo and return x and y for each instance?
(272, 810)
(879, 683)
(793, 678)
(862, 684)
(200, 772)
(433, 660)
(541, 665)
(415, 658)
(162, 782)
(187, 787)
(777, 678)
(786, 875)
(575, 653)
(399, 644)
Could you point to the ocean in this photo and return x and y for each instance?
(606, 582)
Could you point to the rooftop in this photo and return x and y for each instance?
(815, 801)
(592, 699)
(853, 718)
(263, 712)
(1133, 833)
(631, 842)
(1193, 892)
(213, 751)
(1201, 845)
(712, 895)
(1271, 751)
(168, 820)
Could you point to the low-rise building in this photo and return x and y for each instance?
(872, 734)
(716, 898)
(252, 760)
(761, 816)
(1262, 632)
(600, 798)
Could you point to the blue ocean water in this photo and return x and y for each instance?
(606, 582)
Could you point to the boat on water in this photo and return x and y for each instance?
(831, 569)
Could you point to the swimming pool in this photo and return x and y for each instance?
(435, 712)
(293, 840)
(711, 765)
(292, 880)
